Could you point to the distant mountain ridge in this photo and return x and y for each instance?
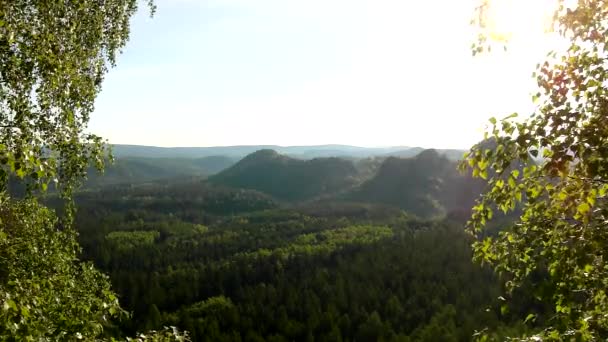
(301, 152)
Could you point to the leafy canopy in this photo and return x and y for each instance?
(43, 291)
(53, 57)
(553, 166)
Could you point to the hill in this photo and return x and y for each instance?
(145, 169)
(288, 178)
(427, 185)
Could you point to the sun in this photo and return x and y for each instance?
(508, 20)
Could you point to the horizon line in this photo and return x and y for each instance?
(288, 146)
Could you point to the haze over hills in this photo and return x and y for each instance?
(450, 154)
(302, 152)
(427, 185)
(136, 164)
(421, 182)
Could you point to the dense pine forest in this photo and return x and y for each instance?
(237, 264)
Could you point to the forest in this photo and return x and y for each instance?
(504, 241)
(229, 263)
(232, 265)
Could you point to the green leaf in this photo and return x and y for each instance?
(530, 317)
(499, 183)
(25, 312)
(583, 208)
(482, 164)
(20, 173)
(504, 309)
(10, 304)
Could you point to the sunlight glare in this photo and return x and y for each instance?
(512, 20)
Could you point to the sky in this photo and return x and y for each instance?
(310, 72)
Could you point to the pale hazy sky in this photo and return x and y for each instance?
(291, 72)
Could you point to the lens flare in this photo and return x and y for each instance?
(508, 20)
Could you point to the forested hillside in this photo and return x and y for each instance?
(141, 169)
(250, 255)
(231, 265)
(277, 248)
(427, 185)
(173, 163)
(288, 178)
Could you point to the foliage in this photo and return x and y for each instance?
(195, 199)
(45, 293)
(133, 239)
(53, 56)
(553, 166)
(167, 334)
(282, 274)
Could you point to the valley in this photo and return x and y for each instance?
(276, 248)
(214, 238)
